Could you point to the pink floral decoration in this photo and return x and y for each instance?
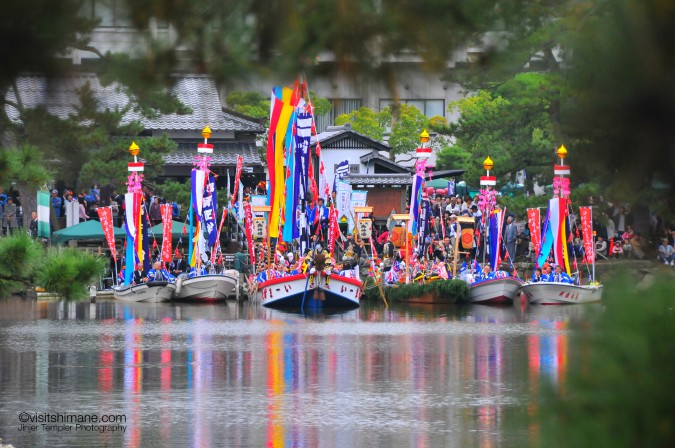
(202, 162)
(561, 187)
(486, 200)
(134, 182)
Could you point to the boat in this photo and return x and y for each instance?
(287, 214)
(208, 287)
(297, 292)
(549, 293)
(554, 241)
(500, 289)
(150, 292)
(495, 291)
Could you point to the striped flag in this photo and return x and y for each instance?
(341, 170)
(43, 214)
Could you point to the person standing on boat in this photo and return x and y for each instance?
(510, 237)
(318, 217)
(559, 276)
(320, 261)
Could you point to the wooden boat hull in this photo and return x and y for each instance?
(549, 293)
(151, 292)
(205, 287)
(495, 291)
(297, 292)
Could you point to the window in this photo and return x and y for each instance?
(112, 13)
(339, 106)
(430, 108)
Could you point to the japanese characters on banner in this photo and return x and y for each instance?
(534, 224)
(248, 222)
(259, 228)
(166, 231)
(237, 177)
(105, 215)
(342, 197)
(334, 229)
(365, 228)
(587, 232)
(209, 210)
(358, 199)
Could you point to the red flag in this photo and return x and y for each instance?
(176, 254)
(184, 229)
(534, 223)
(105, 216)
(154, 243)
(586, 214)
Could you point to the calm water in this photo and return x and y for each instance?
(243, 376)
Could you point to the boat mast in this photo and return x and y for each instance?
(486, 194)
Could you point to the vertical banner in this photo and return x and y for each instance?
(496, 224)
(248, 222)
(209, 210)
(333, 229)
(167, 222)
(422, 226)
(534, 224)
(43, 203)
(105, 216)
(237, 176)
(72, 213)
(451, 188)
(587, 232)
(358, 199)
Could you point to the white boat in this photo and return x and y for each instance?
(554, 243)
(495, 291)
(551, 293)
(297, 292)
(206, 287)
(150, 292)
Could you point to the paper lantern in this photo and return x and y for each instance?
(430, 191)
(440, 191)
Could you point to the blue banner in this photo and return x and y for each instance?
(209, 209)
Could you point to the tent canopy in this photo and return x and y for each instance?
(88, 230)
(176, 229)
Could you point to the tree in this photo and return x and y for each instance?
(513, 125)
(403, 123)
(25, 167)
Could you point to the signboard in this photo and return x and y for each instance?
(259, 228)
(365, 228)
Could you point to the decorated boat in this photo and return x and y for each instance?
(150, 292)
(289, 206)
(495, 287)
(208, 287)
(204, 233)
(303, 291)
(552, 242)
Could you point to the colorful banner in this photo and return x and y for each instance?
(209, 210)
(496, 224)
(248, 222)
(105, 216)
(43, 203)
(553, 238)
(167, 221)
(422, 225)
(237, 177)
(534, 224)
(415, 198)
(587, 232)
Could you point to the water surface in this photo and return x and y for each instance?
(243, 376)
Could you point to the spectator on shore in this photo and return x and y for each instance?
(601, 247)
(10, 221)
(666, 252)
(57, 203)
(83, 209)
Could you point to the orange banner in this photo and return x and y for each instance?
(105, 215)
(167, 222)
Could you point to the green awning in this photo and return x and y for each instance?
(88, 230)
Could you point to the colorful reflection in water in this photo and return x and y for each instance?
(244, 376)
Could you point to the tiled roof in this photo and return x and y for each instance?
(199, 93)
(378, 179)
(376, 156)
(223, 154)
(337, 133)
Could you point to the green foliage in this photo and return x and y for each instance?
(512, 124)
(620, 385)
(179, 192)
(404, 124)
(69, 272)
(364, 121)
(19, 255)
(448, 291)
(518, 205)
(252, 104)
